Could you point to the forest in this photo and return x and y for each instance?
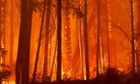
(69, 41)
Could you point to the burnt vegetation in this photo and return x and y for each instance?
(111, 76)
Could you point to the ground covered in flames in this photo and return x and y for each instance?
(111, 76)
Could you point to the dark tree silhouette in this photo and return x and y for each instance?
(0, 21)
(133, 41)
(45, 67)
(98, 38)
(59, 29)
(80, 47)
(39, 42)
(138, 37)
(22, 63)
(132, 36)
(86, 41)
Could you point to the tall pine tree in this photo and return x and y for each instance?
(59, 29)
(23, 55)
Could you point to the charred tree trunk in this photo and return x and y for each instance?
(59, 29)
(80, 41)
(45, 67)
(98, 38)
(108, 27)
(86, 41)
(39, 43)
(133, 42)
(138, 37)
(138, 3)
(0, 22)
(132, 36)
(22, 63)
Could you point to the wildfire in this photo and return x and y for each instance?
(9, 82)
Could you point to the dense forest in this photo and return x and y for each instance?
(54, 40)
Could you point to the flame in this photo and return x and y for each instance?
(8, 82)
(84, 77)
(72, 33)
(63, 73)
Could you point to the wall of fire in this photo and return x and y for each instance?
(113, 18)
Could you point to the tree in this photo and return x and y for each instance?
(86, 41)
(39, 42)
(132, 40)
(59, 54)
(22, 62)
(0, 21)
(137, 37)
(132, 36)
(109, 26)
(98, 38)
(80, 47)
(45, 67)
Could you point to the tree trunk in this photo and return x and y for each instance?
(86, 41)
(108, 27)
(138, 35)
(98, 38)
(132, 41)
(45, 67)
(39, 43)
(80, 47)
(132, 36)
(22, 63)
(59, 54)
(0, 22)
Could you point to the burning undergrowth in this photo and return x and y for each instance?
(111, 76)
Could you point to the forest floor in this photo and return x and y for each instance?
(91, 82)
(111, 76)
